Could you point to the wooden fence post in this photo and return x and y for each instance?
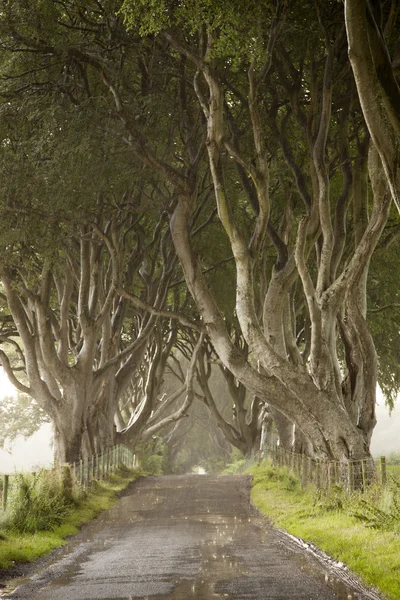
(350, 471)
(304, 465)
(6, 481)
(317, 474)
(383, 471)
(364, 473)
(337, 474)
(101, 466)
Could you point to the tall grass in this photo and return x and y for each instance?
(379, 508)
(38, 502)
(77, 507)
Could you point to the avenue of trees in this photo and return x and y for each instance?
(215, 181)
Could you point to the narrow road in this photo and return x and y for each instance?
(185, 537)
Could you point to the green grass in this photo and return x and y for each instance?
(25, 547)
(328, 522)
(393, 470)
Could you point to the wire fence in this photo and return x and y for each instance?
(350, 475)
(82, 473)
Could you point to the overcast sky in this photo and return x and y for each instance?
(26, 454)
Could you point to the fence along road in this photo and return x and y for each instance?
(350, 475)
(99, 467)
(353, 475)
(183, 537)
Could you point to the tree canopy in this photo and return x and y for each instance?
(200, 166)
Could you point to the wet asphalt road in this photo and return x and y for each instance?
(182, 538)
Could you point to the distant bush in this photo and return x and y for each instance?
(234, 467)
(37, 502)
(393, 458)
(235, 462)
(152, 456)
(266, 475)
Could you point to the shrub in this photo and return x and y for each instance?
(265, 474)
(152, 456)
(236, 462)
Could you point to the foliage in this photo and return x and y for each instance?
(238, 23)
(152, 456)
(236, 462)
(332, 499)
(265, 475)
(19, 415)
(384, 310)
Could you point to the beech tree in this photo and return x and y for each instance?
(330, 397)
(86, 265)
(80, 343)
(259, 99)
(372, 32)
(243, 426)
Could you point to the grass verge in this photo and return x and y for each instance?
(18, 547)
(329, 522)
